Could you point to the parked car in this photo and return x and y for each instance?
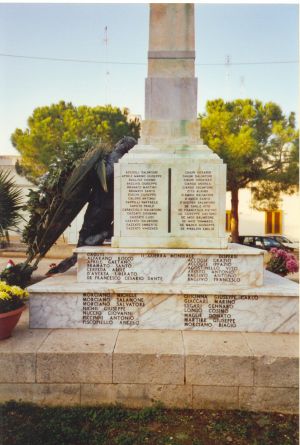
(285, 241)
(263, 242)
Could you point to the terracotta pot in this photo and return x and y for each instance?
(8, 321)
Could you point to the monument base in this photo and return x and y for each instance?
(62, 302)
(238, 266)
(168, 242)
(138, 368)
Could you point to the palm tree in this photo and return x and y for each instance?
(10, 204)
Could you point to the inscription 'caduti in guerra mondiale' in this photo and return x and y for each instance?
(163, 268)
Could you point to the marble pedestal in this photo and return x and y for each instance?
(167, 289)
(238, 266)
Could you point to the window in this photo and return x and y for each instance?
(269, 242)
(273, 221)
(249, 241)
(228, 218)
(258, 242)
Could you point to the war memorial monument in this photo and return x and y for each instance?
(169, 265)
(170, 311)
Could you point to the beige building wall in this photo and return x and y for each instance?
(252, 222)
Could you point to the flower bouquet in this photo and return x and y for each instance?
(282, 262)
(12, 304)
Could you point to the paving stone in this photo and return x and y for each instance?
(57, 394)
(42, 394)
(285, 400)
(74, 356)
(215, 397)
(137, 395)
(18, 354)
(20, 392)
(217, 358)
(98, 393)
(275, 359)
(149, 357)
(173, 396)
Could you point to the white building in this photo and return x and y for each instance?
(284, 221)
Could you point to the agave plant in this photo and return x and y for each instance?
(10, 203)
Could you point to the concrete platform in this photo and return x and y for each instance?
(214, 370)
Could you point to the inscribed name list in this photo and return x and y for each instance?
(181, 198)
(143, 207)
(212, 312)
(165, 268)
(196, 201)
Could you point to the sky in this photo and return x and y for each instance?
(245, 35)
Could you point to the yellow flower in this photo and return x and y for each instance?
(7, 291)
(16, 290)
(4, 287)
(4, 295)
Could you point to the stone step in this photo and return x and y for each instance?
(241, 266)
(62, 302)
(137, 368)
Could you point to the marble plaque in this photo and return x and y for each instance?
(143, 205)
(231, 267)
(174, 201)
(196, 204)
(240, 313)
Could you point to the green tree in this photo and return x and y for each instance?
(259, 145)
(52, 128)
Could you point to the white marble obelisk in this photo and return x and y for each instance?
(170, 188)
(171, 86)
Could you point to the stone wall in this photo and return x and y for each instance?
(210, 370)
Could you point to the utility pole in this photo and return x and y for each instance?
(105, 40)
(242, 87)
(227, 65)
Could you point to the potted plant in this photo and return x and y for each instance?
(12, 304)
(282, 262)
